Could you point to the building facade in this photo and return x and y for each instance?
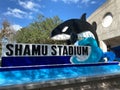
(107, 18)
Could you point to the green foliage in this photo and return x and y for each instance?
(38, 31)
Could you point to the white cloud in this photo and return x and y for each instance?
(29, 5)
(16, 27)
(18, 13)
(70, 1)
(15, 12)
(93, 2)
(85, 1)
(67, 1)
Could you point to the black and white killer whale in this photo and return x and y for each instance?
(70, 30)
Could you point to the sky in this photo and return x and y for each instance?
(20, 13)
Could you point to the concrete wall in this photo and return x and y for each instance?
(104, 82)
(110, 35)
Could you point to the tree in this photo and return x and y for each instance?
(6, 31)
(38, 31)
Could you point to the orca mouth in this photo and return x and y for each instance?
(80, 36)
(85, 34)
(61, 37)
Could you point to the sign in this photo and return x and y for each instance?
(19, 54)
(45, 50)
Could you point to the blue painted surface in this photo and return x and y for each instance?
(116, 50)
(26, 61)
(17, 75)
(95, 55)
(14, 77)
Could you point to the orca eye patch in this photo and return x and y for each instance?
(62, 35)
(65, 29)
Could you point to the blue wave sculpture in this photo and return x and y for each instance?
(96, 52)
(96, 55)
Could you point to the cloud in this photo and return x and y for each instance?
(70, 1)
(85, 1)
(67, 1)
(16, 27)
(29, 5)
(88, 1)
(15, 12)
(18, 13)
(93, 2)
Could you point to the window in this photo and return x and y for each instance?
(107, 20)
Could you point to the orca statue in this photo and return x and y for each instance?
(81, 32)
(75, 29)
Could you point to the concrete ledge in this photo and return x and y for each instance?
(109, 82)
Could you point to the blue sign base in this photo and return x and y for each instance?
(15, 76)
(27, 61)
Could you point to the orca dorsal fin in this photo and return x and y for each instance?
(94, 24)
(83, 17)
